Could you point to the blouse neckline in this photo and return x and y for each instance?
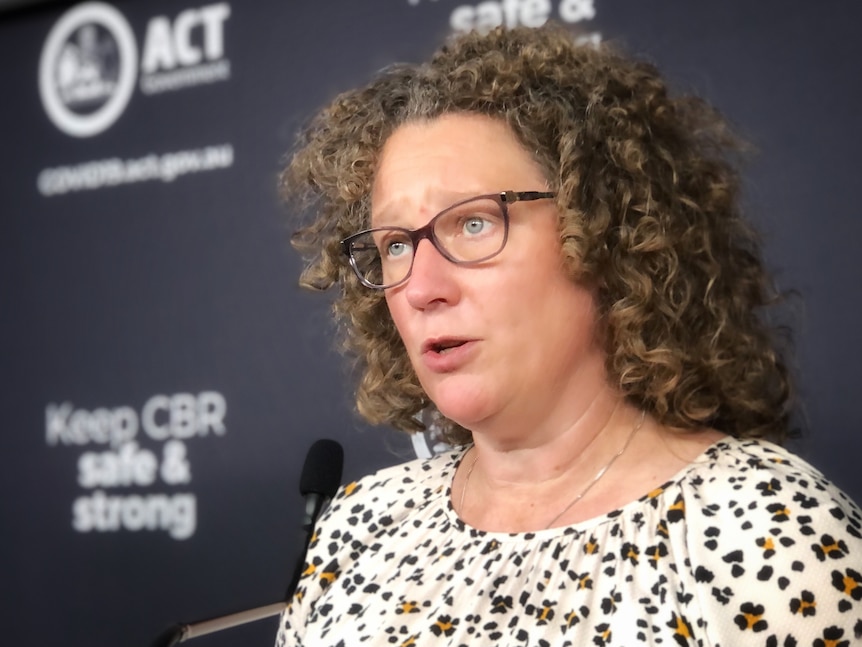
(455, 458)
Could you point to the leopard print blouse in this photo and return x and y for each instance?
(748, 545)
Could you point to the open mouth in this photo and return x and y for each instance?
(445, 345)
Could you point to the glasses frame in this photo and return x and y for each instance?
(503, 198)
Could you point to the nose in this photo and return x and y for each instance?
(433, 279)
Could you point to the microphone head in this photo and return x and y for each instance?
(321, 473)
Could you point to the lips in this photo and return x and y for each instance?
(447, 354)
(442, 346)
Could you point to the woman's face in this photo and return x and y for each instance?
(508, 341)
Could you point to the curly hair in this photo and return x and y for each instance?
(648, 195)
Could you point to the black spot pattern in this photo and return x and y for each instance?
(748, 546)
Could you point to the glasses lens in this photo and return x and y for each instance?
(472, 231)
(382, 257)
(468, 232)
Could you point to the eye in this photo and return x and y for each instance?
(393, 244)
(474, 225)
(397, 248)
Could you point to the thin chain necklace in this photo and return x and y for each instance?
(582, 493)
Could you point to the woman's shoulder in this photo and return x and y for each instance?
(771, 543)
(757, 488)
(405, 485)
(761, 470)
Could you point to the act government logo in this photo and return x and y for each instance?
(89, 65)
(88, 69)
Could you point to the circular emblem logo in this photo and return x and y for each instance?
(88, 69)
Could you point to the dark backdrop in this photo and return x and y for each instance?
(132, 302)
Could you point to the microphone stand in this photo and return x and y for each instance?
(182, 632)
(321, 475)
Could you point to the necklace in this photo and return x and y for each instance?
(582, 493)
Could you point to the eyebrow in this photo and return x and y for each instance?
(451, 198)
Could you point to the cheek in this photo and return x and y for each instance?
(397, 312)
(561, 305)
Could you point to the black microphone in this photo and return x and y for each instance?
(320, 479)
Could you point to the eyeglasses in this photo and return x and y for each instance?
(470, 231)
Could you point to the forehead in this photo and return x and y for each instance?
(430, 164)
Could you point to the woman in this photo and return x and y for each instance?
(541, 251)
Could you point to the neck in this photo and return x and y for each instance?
(554, 448)
(543, 480)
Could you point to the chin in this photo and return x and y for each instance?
(462, 404)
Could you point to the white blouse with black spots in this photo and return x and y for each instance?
(748, 545)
